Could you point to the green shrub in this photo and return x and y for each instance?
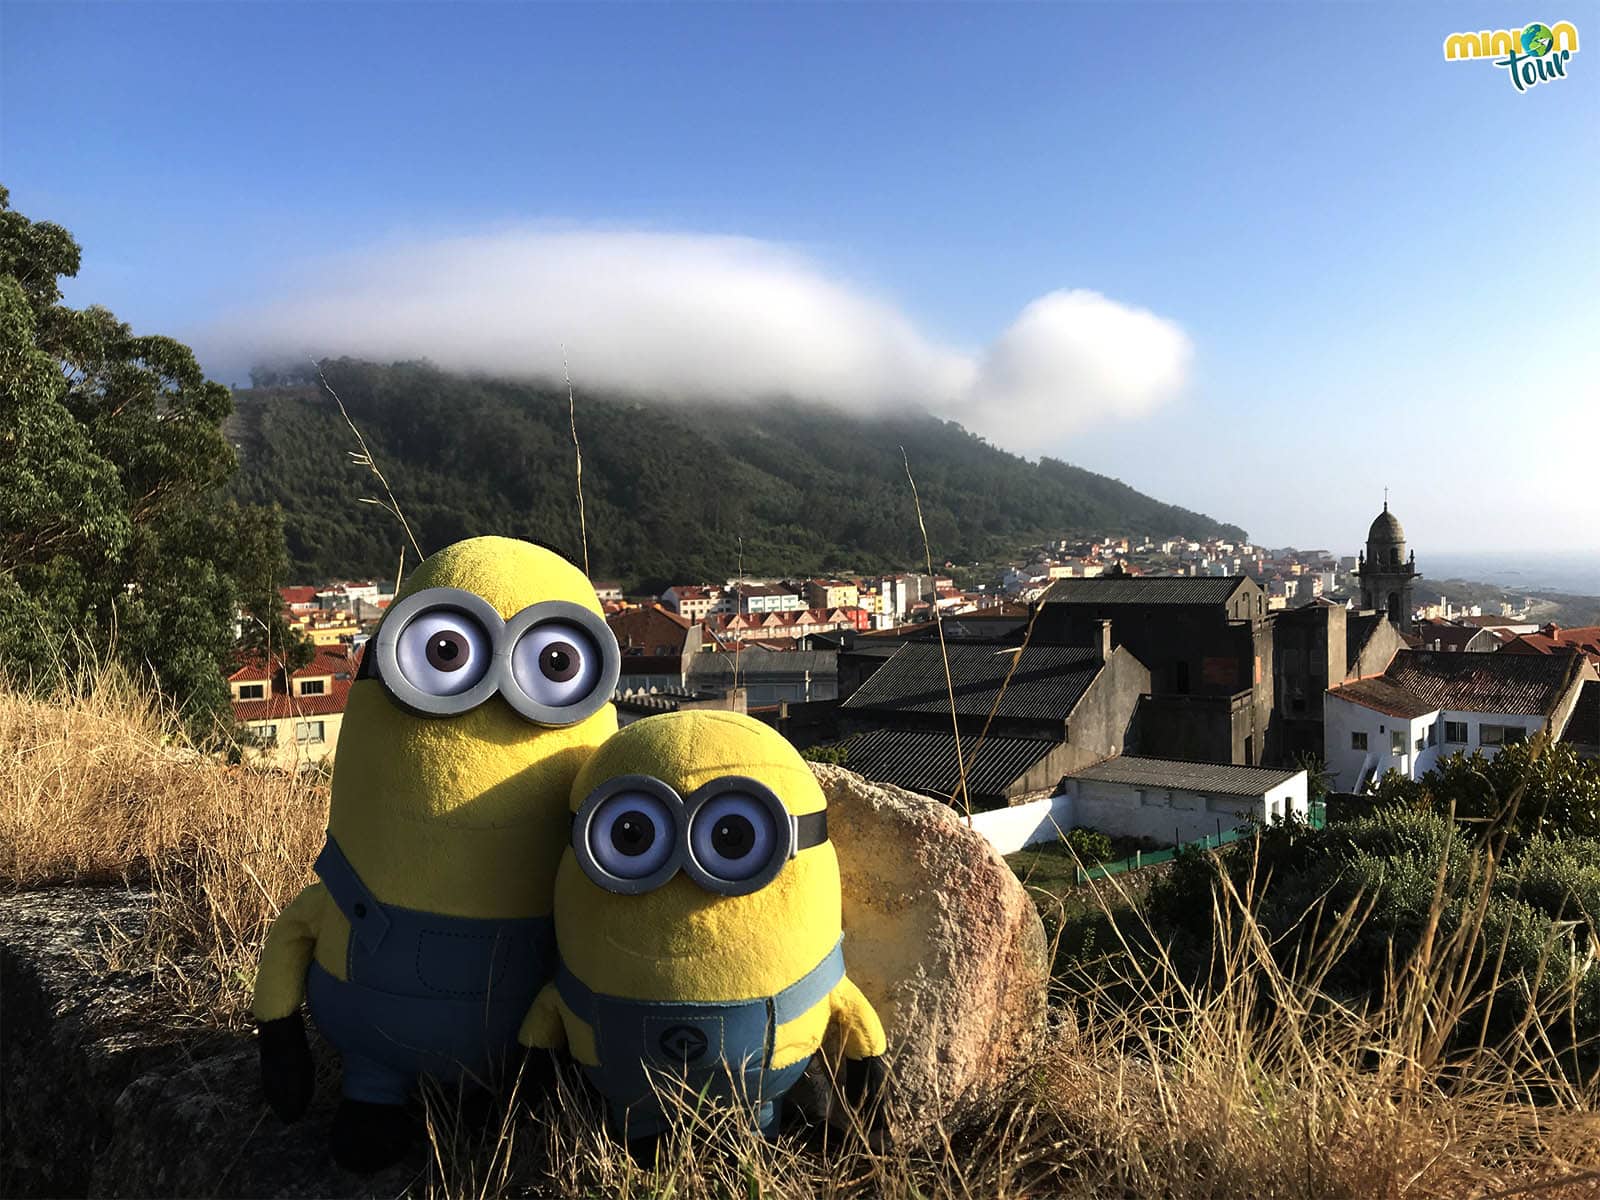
(1090, 845)
(837, 755)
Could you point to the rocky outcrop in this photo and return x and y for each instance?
(946, 944)
(106, 1094)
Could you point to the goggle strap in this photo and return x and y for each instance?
(810, 829)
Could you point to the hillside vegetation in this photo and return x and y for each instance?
(1260, 1083)
(671, 489)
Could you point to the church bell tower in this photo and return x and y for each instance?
(1388, 577)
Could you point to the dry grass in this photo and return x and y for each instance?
(1266, 1088)
(102, 787)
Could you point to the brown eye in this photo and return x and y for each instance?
(443, 652)
(449, 651)
(556, 663)
(560, 661)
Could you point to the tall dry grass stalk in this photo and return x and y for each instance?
(577, 450)
(963, 798)
(1262, 1083)
(362, 456)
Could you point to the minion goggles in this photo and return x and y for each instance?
(496, 656)
(732, 835)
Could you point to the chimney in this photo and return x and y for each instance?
(1105, 640)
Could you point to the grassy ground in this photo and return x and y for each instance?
(1266, 1089)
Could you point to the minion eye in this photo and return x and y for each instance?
(631, 835)
(443, 652)
(733, 836)
(556, 664)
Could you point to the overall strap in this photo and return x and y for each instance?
(805, 993)
(576, 994)
(368, 922)
(799, 998)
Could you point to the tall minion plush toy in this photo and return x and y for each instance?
(698, 918)
(429, 930)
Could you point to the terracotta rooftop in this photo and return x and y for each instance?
(1424, 681)
(1552, 639)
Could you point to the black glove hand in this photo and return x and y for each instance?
(287, 1073)
(864, 1085)
(537, 1078)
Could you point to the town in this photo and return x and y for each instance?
(1162, 690)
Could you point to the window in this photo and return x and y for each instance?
(1358, 741)
(265, 735)
(1515, 733)
(311, 687)
(1455, 733)
(1422, 743)
(1433, 734)
(308, 732)
(1491, 735)
(1180, 675)
(252, 691)
(1397, 742)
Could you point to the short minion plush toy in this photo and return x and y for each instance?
(487, 686)
(698, 919)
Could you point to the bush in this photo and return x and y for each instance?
(837, 755)
(1090, 845)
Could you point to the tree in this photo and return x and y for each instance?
(116, 533)
(1533, 788)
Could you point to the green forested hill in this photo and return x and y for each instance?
(669, 489)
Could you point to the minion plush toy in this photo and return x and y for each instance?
(486, 687)
(697, 915)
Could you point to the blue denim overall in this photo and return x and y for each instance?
(723, 1047)
(424, 994)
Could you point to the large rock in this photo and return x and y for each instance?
(104, 1092)
(945, 943)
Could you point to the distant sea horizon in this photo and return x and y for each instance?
(1574, 572)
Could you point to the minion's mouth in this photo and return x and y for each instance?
(662, 954)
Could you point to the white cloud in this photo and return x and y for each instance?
(720, 318)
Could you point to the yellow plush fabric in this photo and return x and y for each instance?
(464, 816)
(682, 943)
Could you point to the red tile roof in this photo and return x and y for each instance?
(278, 706)
(1551, 639)
(1421, 681)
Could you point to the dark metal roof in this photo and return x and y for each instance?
(1146, 589)
(1214, 778)
(1583, 727)
(925, 761)
(1047, 684)
(1422, 681)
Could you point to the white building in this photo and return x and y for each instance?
(1431, 704)
(1167, 801)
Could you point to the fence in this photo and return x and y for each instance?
(1316, 818)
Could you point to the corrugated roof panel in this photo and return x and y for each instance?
(1218, 778)
(1146, 589)
(1047, 682)
(925, 761)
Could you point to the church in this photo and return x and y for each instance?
(1388, 575)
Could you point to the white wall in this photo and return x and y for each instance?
(1342, 717)
(1010, 829)
(1123, 810)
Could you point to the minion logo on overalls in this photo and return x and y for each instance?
(698, 920)
(429, 931)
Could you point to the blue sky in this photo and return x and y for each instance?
(1372, 266)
